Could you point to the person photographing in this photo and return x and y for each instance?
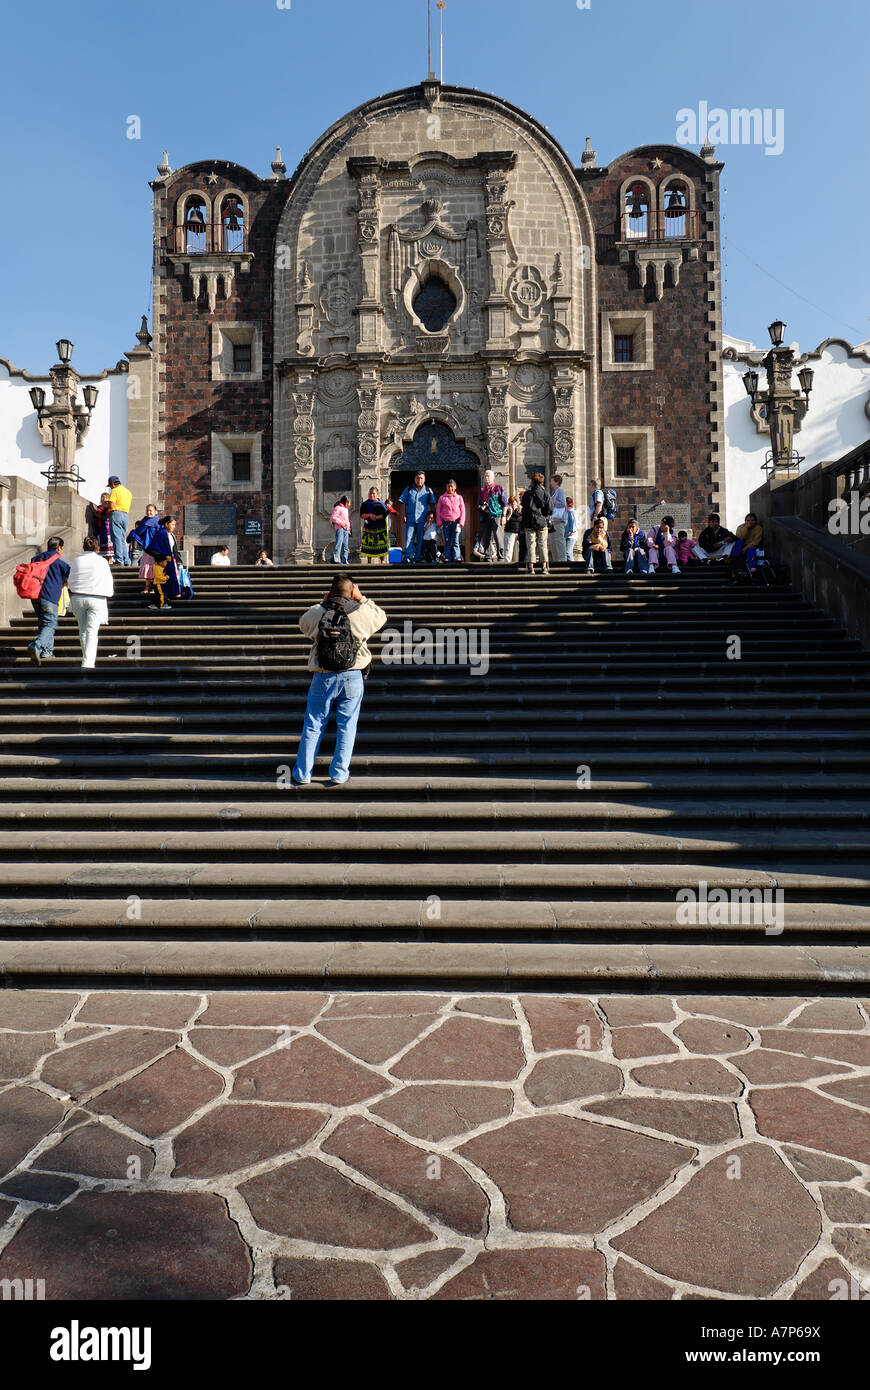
(338, 628)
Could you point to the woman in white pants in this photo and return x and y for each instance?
(90, 584)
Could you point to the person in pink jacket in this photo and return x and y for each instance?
(662, 545)
(450, 516)
(341, 521)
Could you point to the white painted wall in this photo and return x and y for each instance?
(104, 450)
(836, 421)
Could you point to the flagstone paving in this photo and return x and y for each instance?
(308, 1146)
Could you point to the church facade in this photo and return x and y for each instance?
(437, 287)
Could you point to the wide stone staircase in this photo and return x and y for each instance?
(531, 826)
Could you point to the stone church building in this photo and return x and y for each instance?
(438, 287)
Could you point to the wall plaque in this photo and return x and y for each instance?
(210, 519)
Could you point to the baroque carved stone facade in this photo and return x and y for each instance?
(436, 258)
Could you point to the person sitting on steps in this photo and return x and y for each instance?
(661, 545)
(714, 542)
(597, 547)
(633, 547)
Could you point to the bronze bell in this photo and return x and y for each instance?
(676, 206)
(637, 208)
(195, 221)
(231, 216)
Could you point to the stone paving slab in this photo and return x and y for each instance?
(160, 1144)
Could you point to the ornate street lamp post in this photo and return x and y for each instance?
(64, 422)
(784, 407)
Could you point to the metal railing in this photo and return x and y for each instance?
(209, 241)
(652, 226)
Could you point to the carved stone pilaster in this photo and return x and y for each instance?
(368, 447)
(560, 306)
(497, 432)
(564, 389)
(303, 472)
(305, 313)
(500, 253)
(367, 173)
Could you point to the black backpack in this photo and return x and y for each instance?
(336, 645)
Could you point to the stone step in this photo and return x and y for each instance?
(223, 759)
(351, 813)
(289, 714)
(712, 698)
(560, 965)
(490, 878)
(753, 793)
(581, 844)
(346, 916)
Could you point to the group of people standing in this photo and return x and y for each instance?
(507, 527)
(108, 522)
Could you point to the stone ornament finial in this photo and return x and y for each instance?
(279, 168)
(143, 336)
(164, 168)
(589, 156)
(708, 151)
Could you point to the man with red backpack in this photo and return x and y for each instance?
(43, 581)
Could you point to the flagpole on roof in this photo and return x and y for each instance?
(441, 14)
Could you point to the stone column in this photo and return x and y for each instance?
(303, 472)
(497, 304)
(141, 464)
(368, 437)
(370, 310)
(497, 435)
(564, 419)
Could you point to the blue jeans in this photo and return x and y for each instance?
(414, 539)
(603, 562)
(48, 617)
(118, 523)
(341, 549)
(636, 557)
(343, 691)
(451, 539)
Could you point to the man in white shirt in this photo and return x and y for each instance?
(222, 556)
(90, 584)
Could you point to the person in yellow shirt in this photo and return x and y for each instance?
(750, 537)
(120, 502)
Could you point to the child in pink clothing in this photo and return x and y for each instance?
(685, 548)
(341, 521)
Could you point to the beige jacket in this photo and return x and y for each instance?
(365, 619)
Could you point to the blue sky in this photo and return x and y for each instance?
(215, 79)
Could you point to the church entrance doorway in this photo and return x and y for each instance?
(437, 452)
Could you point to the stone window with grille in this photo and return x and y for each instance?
(627, 341)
